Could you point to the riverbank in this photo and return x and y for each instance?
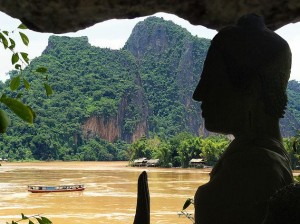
(101, 165)
(98, 165)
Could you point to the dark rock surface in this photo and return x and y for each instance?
(60, 16)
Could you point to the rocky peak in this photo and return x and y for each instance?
(58, 42)
(153, 35)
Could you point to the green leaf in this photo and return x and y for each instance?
(4, 121)
(5, 32)
(26, 84)
(25, 57)
(30, 222)
(4, 40)
(46, 221)
(32, 111)
(20, 109)
(24, 217)
(24, 38)
(48, 89)
(41, 70)
(18, 66)
(14, 58)
(12, 44)
(15, 83)
(3, 97)
(22, 26)
(19, 95)
(187, 203)
(40, 220)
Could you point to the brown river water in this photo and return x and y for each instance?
(109, 197)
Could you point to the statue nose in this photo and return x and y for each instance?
(198, 95)
(202, 88)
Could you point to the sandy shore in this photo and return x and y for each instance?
(105, 165)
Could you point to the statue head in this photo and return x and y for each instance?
(245, 76)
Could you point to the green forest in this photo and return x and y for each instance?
(123, 104)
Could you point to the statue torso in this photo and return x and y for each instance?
(247, 174)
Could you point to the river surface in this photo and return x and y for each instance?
(109, 197)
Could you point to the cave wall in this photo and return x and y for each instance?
(61, 16)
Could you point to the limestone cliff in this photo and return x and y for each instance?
(130, 122)
(106, 129)
(170, 61)
(144, 89)
(103, 96)
(102, 88)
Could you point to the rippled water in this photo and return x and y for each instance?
(110, 195)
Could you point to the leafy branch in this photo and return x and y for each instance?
(186, 214)
(32, 219)
(19, 60)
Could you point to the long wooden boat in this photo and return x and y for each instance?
(60, 188)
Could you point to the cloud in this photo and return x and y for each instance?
(107, 43)
(291, 34)
(5, 67)
(295, 46)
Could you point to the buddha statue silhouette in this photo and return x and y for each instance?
(242, 91)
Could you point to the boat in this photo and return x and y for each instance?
(59, 188)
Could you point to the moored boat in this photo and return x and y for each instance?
(60, 188)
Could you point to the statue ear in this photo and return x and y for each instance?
(142, 215)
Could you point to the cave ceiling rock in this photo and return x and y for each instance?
(61, 16)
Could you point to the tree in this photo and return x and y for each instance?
(212, 147)
(292, 145)
(139, 149)
(163, 153)
(188, 149)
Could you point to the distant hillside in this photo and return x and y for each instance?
(170, 60)
(106, 98)
(290, 123)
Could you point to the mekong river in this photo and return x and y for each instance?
(109, 197)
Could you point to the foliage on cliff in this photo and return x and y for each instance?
(104, 99)
(294, 98)
(87, 81)
(132, 97)
(170, 61)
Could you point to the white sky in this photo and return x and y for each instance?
(114, 33)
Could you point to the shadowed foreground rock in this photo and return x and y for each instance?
(61, 16)
(142, 215)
